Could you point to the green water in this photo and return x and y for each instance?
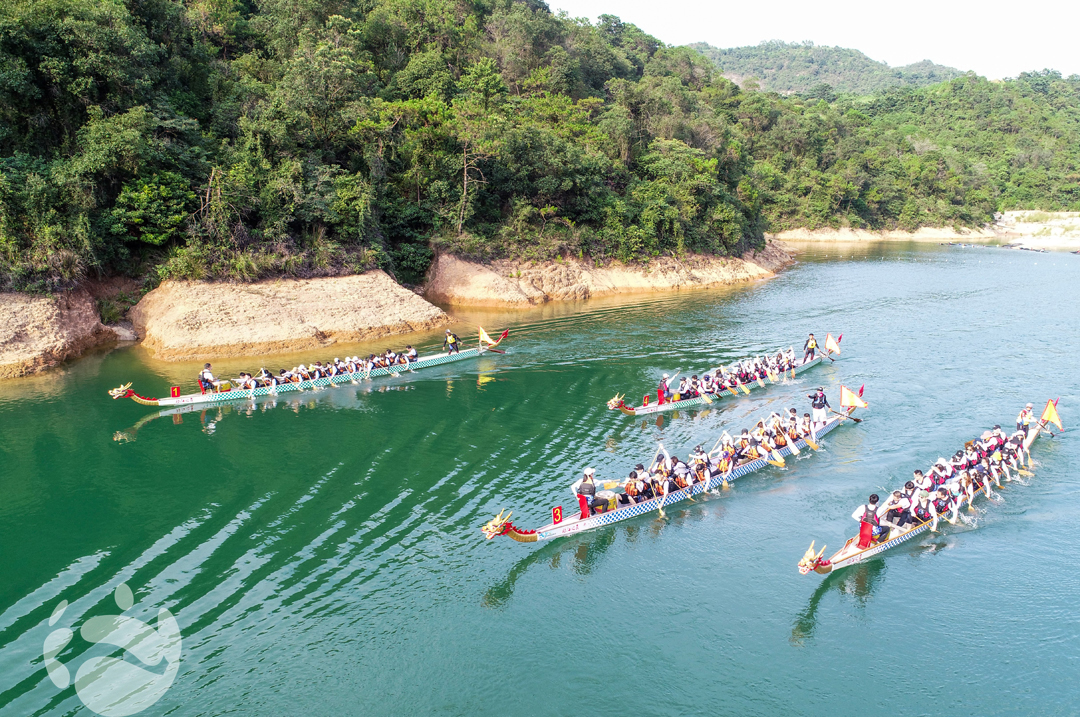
(323, 555)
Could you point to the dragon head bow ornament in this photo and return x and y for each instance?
(497, 525)
(121, 392)
(811, 560)
(616, 402)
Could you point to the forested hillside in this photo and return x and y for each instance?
(219, 138)
(803, 67)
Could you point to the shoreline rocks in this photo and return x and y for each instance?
(510, 284)
(184, 320)
(923, 234)
(39, 332)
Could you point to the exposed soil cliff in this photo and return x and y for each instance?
(193, 320)
(515, 283)
(38, 332)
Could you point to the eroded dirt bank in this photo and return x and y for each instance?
(39, 332)
(515, 283)
(925, 234)
(181, 321)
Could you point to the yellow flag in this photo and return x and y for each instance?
(849, 398)
(485, 338)
(831, 344)
(1050, 415)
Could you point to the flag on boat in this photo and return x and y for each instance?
(849, 398)
(488, 340)
(1050, 415)
(832, 345)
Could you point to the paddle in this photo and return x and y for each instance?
(847, 415)
(744, 388)
(662, 499)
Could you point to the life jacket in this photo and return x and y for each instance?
(942, 505)
(587, 488)
(811, 343)
(631, 488)
(818, 400)
(870, 514)
(922, 512)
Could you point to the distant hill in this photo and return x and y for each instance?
(803, 67)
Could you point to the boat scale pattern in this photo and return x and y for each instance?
(502, 526)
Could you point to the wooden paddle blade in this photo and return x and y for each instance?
(745, 389)
(813, 445)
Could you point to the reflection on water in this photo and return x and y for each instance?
(340, 397)
(858, 581)
(586, 551)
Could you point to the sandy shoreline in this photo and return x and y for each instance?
(1053, 231)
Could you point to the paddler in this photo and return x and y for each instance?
(1023, 421)
(922, 509)
(943, 503)
(818, 402)
(809, 349)
(894, 513)
(451, 343)
(870, 527)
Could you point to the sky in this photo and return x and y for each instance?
(995, 40)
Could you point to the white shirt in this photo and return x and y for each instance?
(861, 511)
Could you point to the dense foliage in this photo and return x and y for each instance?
(803, 67)
(217, 138)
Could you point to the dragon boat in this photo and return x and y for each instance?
(619, 403)
(562, 526)
(850, 554)
(235, 394)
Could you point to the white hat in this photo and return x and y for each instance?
(1030, 405)
(590, 471)
(665, 375)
